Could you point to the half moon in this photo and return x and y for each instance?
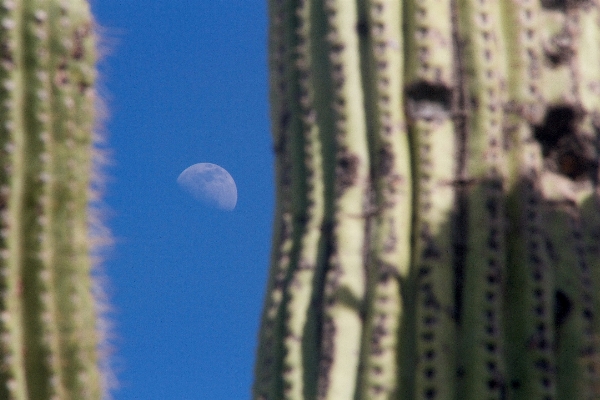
(209, 184)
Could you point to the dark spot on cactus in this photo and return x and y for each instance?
(543, 364)
(493, 384)
(386, 160)
(491, 205)
(378, 389)
(337, 48)
(430, 320)
(589, 351)
(347, 169)
(284, 120)
(429, 355)
(562, 307)
(327, 351)
(62, 76)
(566, 150)
(362, 27)
(429, 373)
(554, 4)
(431, 251)
(428, 101)
(515, 383)
(541, 328)
(493, 279)
(78, 49)
(6, 52)
(539, 310)
(559, 49)
(555, 58)
(546, 382)
(430, 393)
(558, 122)
(571, 165)
(493, 240)
(430, 301)
(83, 87)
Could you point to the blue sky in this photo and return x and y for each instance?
(185, 82)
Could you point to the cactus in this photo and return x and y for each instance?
(49, 336)
(437, 227)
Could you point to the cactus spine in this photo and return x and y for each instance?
(48, 330)
(437, 231)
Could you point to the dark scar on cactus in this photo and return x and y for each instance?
(565, 150)
(559, 49)
(346, 171)
(428, 101)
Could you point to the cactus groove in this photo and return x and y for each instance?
(48, 329)
(437, 230)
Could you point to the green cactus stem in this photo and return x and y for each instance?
(437, 231)
(48, 329)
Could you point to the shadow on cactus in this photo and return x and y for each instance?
(437, 231)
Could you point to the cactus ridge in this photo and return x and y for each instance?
(437, 223)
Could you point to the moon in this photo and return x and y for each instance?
(209, 184)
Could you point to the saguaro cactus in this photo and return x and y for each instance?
(48, 330)
(437, 231)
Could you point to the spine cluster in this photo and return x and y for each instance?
(437, 232)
